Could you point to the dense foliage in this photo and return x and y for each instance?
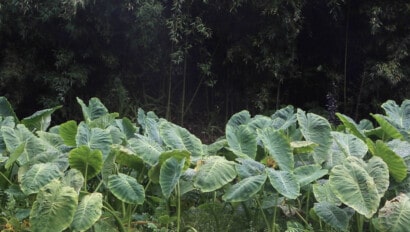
(290, 171)
(184, 58)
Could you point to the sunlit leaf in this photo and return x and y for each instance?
(353, 185)
(284, 182)
(308, 173)
(316, 129)
(68, 132)
(40, 120)
(126, 188)
(244, 189)
(278, 147)
(38, 176)
(241, 141)
(177, 137)
(88, 212)
(54, 208)
(349, 144)
(94, 110)
(214, 173)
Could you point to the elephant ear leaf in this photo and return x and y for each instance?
(6, 110)
(88, 212)
(54, 208)
(214, 173)
(170, 172)
(94, 110)
(126, 188)
(278, 147)
(244, 189)
(88, 161)
(241, 141)
(38, 176)
(332, 215)
(395, 214)
(177, 137)
(316, 129)
(399, 116)
(40, 120)
(353, 185)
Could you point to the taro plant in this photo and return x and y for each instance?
(289, 171)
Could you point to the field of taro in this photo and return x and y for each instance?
(290, 171)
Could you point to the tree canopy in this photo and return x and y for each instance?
(185, 58)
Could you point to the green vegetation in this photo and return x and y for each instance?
(290, 171)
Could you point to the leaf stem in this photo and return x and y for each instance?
(7, 179)
(263, 215)
(178, 190)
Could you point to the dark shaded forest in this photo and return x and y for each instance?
(198, 62)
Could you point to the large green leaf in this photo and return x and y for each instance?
(73, 178)
(150, 125)
(349, 144)
(88, 161)
(68, 132)
(127, 157)
(401, 148)
(332, 215)
(259, 122)
(88, 212)
(240, 118)
(302, 147)
(278, 147)
(127, 127)
(126, 189)
(351, 126)
(284, 182)
(244, 189)
(54, 208)
(214, 173)
(53, 141)
(177, 137)
(6, 110)
(308, 173)
(94, 138)
(284, 118)
(399, 116)
(396, 164)
(249, 167)
(355, 187)
(154, 172)
(379, 171)
(38, 176)
(316, 129)
(40, 120)
(171, 171)
(104, 121)
(241, 141)
(94, 110)
(395, 215)
(52, 157)
(336, 156)
(388, 128)
(14, 137)
(146, 148)
(324, 193)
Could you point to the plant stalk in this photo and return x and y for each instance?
(178, 189)
(263, 215)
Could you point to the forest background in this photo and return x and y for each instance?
(196, 62)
